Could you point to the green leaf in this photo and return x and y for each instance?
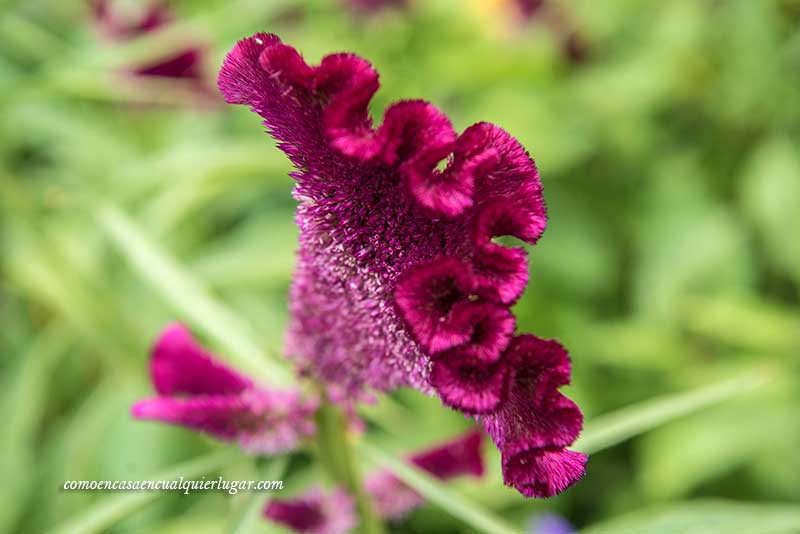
(722, 438)
(706, 517)
(249, 517)
(112, 509)
(188, 296)
(439, 494)
(608, 430)
(23, 401)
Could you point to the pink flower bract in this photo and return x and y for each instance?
(460, 456)
(198, 392)
(316, 512)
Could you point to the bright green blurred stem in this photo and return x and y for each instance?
(336, 454)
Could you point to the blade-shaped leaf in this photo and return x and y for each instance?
(706, 517)
(246, 520)
(608, 430)
(187, 295)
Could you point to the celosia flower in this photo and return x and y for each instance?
(393, 499)
(185, 64)
(200, 393)
(316, 512)
(399, 279)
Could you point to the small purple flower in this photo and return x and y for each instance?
(400, 281)
(462, 456)
(198, 392)
(185, 64)
(316, 512)
(550, 524)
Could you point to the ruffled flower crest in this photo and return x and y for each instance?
(400, 280)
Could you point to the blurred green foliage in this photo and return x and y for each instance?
(671, 164)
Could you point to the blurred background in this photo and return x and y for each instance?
(666, 134)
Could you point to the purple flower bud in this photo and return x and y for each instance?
(316, 512)
(198, 392)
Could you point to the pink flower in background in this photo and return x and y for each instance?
(559, 21)
(185, 64)
(200, 393)
(316, 512)
(461, 456)
(400, 281)
(373, 6)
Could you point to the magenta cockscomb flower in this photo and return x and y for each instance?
(198, 392)
(316, 512)
(185, 64)
(461, 456)
(400, 281)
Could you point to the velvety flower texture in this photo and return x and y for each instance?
(400, 281)
(393, 499)
(316, 512)
(200, 393)
(186, 64)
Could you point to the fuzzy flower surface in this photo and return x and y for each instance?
(400, 280)
(198, 392)
(315, 512)
(461, 456)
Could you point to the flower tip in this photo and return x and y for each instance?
(180, 365)
(544, 473)
(241, 74)
(142, 409)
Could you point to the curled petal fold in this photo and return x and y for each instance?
(541, 365)
(536, 420)
(431, 298)
(491, 327)
(469, 385)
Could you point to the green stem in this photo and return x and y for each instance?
(335, 453)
